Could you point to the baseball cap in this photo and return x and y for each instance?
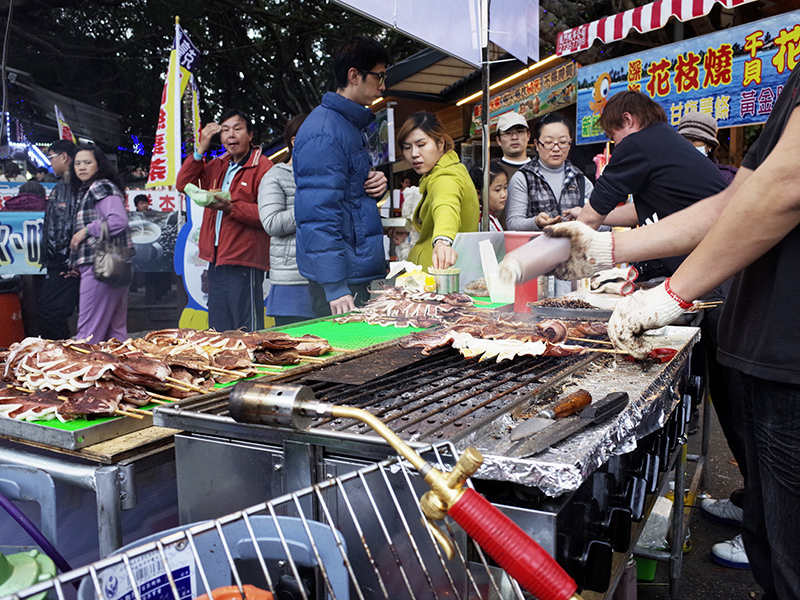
(511, 119)
(699, 126)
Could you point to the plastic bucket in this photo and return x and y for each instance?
(11, 315)
(528, 291)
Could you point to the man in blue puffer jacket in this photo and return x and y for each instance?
(339, 232)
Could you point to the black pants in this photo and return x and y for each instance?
(320, 304)
(235, 298)
(723, 386)
(58, 298)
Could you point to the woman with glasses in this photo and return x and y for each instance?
(449, 202)
(549, 187)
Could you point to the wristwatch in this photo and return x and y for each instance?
(444, 240)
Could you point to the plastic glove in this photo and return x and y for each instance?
(633, 315)
(591, 251)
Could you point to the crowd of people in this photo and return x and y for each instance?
(313, 225)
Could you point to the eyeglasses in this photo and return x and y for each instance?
(381, 76)
(519, 132)
(551, 145)
(50, 157)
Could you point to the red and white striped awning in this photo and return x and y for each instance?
(643, 19)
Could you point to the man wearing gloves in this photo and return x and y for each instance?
(751, 230)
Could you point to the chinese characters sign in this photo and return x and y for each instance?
(544, 93)
(734, 75)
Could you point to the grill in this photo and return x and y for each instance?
(439, 398)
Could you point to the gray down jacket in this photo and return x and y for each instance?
(276, 210)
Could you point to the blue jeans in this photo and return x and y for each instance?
(771, 527)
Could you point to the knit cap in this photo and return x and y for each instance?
(699, 126)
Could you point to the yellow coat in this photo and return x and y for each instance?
(449, 205)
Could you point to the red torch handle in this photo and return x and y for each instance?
(519, 555)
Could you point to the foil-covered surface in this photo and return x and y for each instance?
(653, 393)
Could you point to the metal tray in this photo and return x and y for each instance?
(73, 435)
(558, 312)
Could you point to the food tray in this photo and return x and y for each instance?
(348, 336)
(558, 312)
(73, 435)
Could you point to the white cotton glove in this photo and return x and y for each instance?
(633, 315)
(591, 251)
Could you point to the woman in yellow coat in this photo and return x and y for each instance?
(449, 201)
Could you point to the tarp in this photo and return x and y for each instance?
(642, 19)
(453, 26)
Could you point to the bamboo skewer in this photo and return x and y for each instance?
(125, 413)
(312, 359)
(606, 351)
(140, 411)
(702, 305)
(186, 384)
(159, 402)
(340, 350)
(577, 339)
(160, 396)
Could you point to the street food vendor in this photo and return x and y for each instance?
(750, 230)
(653, 163)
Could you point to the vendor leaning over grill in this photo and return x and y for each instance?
(654, 164)
(750, 230)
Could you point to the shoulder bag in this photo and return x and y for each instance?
(112, 259)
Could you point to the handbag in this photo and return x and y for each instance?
(112, 259)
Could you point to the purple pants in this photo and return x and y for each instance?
(102, 309)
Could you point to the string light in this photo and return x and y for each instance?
(516, 75)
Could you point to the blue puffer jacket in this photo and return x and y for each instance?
(339, 232)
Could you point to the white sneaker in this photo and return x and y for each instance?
(731, 554)
(722, 511)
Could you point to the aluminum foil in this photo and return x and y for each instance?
(653, 396)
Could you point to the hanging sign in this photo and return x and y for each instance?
(552, 90)
(734, 75)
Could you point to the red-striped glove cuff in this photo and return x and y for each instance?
(681, 302)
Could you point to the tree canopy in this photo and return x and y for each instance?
(266, 57)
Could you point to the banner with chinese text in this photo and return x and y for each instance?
(166, 158)
(64, 130)
(552, 90)
(734, 75)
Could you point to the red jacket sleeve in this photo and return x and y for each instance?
(192, 171)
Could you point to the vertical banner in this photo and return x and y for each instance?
(64, 130)
(166, 158)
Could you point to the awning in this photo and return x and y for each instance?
(643, 19)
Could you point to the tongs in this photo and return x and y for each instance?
(520, 556)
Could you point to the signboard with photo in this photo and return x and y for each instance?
(153, 234)
(380, 138)
(552, 90)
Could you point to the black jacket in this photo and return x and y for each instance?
(59, 222)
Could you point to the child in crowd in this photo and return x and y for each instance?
(498, 191)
